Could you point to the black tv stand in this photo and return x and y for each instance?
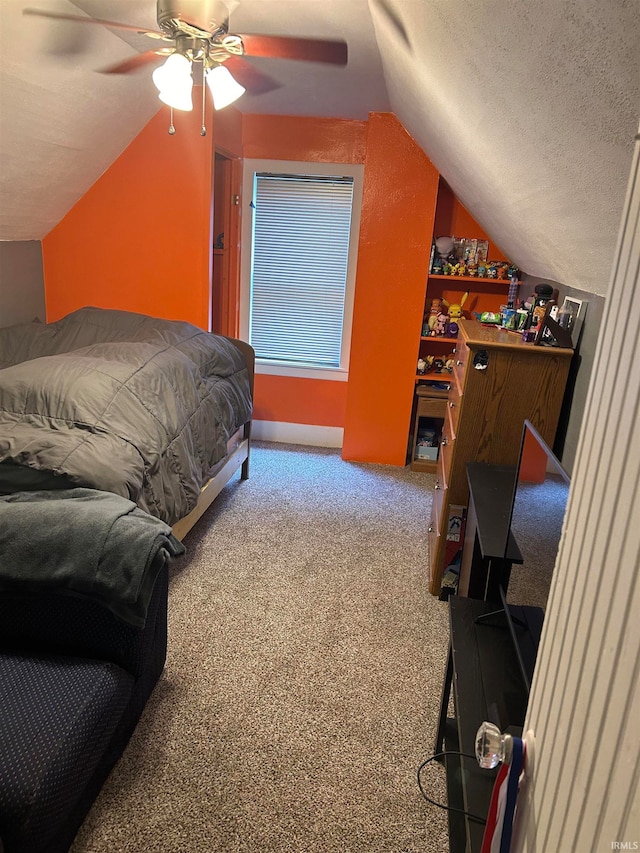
(491, 658)
(483, 674)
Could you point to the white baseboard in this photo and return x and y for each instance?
(316, 436)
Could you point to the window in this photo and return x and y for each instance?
(300, 242)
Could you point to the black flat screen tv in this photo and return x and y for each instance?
(538, 506)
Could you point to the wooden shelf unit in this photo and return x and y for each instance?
(474, 279)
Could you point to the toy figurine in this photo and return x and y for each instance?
(455, 310)
(472, 269)
(462, 269)
(422, 366)
(441, 324)
(436, 307)
(482, 271)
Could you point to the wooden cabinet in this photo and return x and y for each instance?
(497, 382)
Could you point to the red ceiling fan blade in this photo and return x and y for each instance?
(254, 81)
(285, 47)
(134, 63)
(61, 16)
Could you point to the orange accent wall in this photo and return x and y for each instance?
(315, 140)
(140, 238)
(319, 402)
(400, 192)
(453, 219)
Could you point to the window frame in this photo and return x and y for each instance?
(297, 167)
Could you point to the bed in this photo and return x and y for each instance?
(157, 411)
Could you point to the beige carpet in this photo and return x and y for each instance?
(303, 675)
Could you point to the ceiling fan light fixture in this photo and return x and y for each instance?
(174, 82)
(224, 89)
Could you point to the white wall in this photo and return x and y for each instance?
(21, 282)
(583, 793)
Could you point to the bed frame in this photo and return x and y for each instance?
(238, 449)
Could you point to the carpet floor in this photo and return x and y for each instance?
(303, 674)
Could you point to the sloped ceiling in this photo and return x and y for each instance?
(528, 110)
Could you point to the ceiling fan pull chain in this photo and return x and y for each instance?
(203, 129)
(172, 129)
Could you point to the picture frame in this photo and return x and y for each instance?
(571, 316)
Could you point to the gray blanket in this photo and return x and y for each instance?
(121, 402)
(85, 543)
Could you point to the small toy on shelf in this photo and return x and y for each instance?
(444, 246)
(493, 318)
(432, 320)
(422, 366)
(455, 310)
(441, 325)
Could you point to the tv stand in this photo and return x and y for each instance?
(483, 673)
(492, 652)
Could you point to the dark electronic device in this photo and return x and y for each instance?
(538, 505)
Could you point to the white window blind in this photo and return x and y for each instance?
(300, 252)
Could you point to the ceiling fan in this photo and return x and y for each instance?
(196, 38)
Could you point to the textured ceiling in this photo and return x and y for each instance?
(528, 110)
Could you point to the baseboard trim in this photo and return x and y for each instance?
(288, 433)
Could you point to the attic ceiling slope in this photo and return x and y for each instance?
(529, 111)
(62, 123)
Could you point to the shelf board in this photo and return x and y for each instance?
(472, 278)
(426, 466)
(442, 339)
(435, 377)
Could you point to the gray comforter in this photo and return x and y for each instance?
(120, 402)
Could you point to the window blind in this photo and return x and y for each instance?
(300, 253)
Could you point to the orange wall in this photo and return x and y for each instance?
(453, 219)
(315, 140)
(319, 402)
(399, 202)
(139, 239)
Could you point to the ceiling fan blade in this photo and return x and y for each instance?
(286, 47)
(254, 81)
(134, 63)
(61, 16)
